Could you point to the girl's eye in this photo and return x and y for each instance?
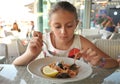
(57, 27)
(69, 26)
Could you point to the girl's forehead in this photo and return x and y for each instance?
(62, 11)
(62, 14)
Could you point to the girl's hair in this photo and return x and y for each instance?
(64, 5)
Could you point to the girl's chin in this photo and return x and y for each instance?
(63, 39)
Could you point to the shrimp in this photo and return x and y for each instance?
(65, 70)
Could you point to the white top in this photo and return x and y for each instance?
(74, 48)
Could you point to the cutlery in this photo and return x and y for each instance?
(50, 52)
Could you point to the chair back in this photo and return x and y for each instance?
(115, 36)
(86, 32)
(21, 47)
(3, 53)
(93, 37)
(110, 47)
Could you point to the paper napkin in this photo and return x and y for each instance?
(114, 78)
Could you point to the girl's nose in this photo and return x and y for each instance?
(63, 31)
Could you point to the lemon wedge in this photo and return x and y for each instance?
(48, 71)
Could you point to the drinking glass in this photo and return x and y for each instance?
(118, 57)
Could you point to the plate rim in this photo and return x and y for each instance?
(59, 80)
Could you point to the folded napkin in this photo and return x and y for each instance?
(114, 78)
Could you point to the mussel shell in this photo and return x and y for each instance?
(73, 67)
(59, 64)
(63, 75)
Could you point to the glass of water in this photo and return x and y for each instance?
(118, 59)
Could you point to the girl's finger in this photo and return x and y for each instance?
(95, 60)
(37, 34)
(89, 50)
(85, 53)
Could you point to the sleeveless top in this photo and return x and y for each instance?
(74, 48)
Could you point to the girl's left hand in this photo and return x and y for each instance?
(91, 56)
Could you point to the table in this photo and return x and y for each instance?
(11, 74)
(15, 47)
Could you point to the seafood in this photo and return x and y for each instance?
(64, 70)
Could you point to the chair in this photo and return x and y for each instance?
(110, 47)
(3, 53)
(21, 47)
(105, 34)
(115, 36)
(8, 33)
(93, 37)
(86, 32)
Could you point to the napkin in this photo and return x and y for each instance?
(114, 78)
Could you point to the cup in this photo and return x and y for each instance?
(118, 59)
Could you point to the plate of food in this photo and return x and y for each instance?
(59, 69)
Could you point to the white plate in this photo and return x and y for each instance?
(36, 66)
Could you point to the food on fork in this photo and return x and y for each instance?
(60, 70)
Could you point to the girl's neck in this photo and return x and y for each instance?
(60, 44)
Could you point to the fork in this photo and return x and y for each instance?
(50, 52)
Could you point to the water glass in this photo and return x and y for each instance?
(118, 57)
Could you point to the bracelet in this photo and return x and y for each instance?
(102, 63)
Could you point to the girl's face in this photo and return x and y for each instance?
(63, 24)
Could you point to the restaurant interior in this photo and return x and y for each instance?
(32, 15)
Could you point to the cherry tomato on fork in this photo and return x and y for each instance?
(73, 52)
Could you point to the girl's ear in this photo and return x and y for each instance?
(77, 22)
(48, 23)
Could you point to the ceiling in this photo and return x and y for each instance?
(30, 4)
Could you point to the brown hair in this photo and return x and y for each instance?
(15, 27)
(64, 5)
(109, 23)
(104, 23)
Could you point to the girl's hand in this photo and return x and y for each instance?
(35, 44)
(91, 56)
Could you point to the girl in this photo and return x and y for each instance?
(62, 41)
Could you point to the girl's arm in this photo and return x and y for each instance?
(96, 56)
(33, 50)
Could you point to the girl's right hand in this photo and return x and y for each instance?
(35, 44)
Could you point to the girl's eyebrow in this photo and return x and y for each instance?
(71, 21)
(57, 23)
